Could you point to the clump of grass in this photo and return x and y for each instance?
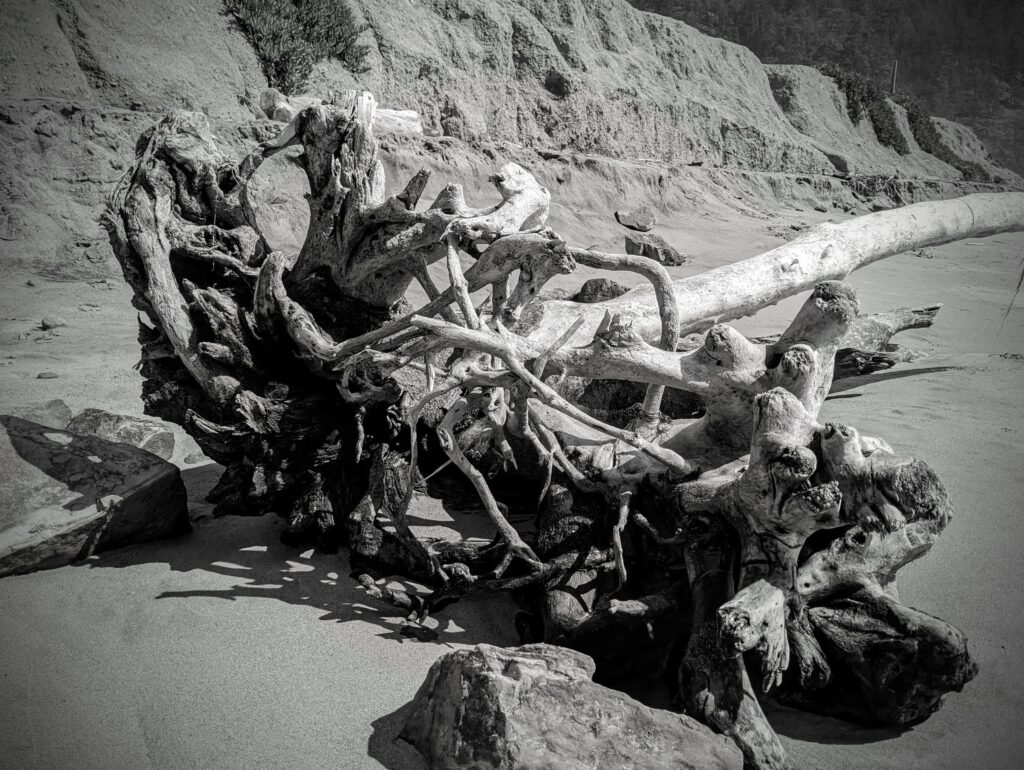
(871, 185)
(926, 135)
(290, 36)
(864, 98)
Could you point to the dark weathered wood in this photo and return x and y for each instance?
(713, 683)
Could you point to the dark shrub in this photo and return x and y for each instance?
(864, 98)
(926, 135)
(289, 36)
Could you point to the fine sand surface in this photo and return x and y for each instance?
(223, 649)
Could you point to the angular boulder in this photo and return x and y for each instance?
(53, 413)
(64, 496)
(152, 435)
(641, 218)
(653, 247)
(598, 290)
(536, 707)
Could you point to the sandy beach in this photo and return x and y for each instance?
(224, 649)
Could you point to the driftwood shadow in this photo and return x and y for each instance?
(852, 383)
(248, 548)
(40, 446)
(816, 728)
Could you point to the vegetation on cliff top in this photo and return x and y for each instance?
(290, 36)
(928, 138)
(864, 98)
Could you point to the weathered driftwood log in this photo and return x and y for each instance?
(827, 251)
(280, 107)
(752, 530)
(865, 348)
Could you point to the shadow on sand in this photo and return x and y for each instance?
(249, 550)
(385, 746)
(816, 728)
(852, 383)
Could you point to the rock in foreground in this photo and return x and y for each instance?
(536, 707)
(152, 435)
(64, 497)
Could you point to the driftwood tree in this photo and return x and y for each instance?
(751, 538)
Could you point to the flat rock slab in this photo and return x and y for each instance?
(152, 435)
(64, 496)
(536, 707)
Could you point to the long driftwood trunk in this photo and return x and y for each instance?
(749, 533)
(827, 251)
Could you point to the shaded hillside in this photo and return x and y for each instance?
(819, 110)
(963, 60)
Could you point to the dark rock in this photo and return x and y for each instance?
(64, 497)
(47, 376)
(641, 218)
(558, 84)
(536, 706)
(52, 322)
(152, 435)
(653, 247)
(598, 290)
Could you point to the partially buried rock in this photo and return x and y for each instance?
(641, 218)
(194, 458)
(152, 435)
(654, 247)
(536, 707)
(52, 322)
(598, 290)
(64, 497)
(47, 376)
